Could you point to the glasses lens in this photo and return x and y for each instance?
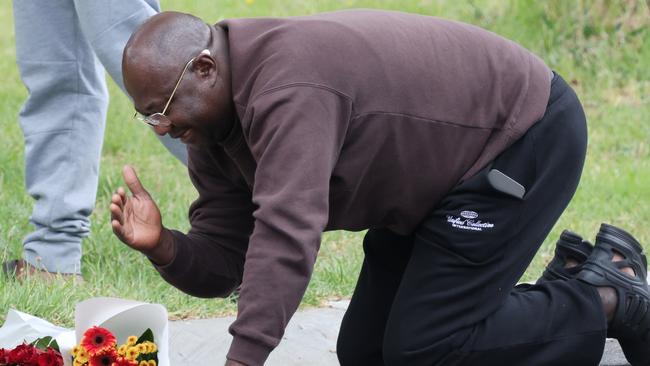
(140, 117)
(157, 119)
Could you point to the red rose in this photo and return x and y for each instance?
(50, 358)
(24, 355)
(3, 356)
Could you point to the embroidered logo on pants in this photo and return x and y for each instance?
(468, 220)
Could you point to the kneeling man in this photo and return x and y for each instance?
(455, 148)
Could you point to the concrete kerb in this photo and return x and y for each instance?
(310, 339)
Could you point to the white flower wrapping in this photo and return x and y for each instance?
(122, 317)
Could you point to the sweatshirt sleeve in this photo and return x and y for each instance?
(209, 259)
(295, 134)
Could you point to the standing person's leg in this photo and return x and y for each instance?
(108, 26)
(362, 330)
(456, 303)
(63, 124)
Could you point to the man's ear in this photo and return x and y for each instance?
(204, 65)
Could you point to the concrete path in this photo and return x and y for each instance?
(310, 339)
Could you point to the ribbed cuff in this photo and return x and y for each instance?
(248, 352)
(179, 264)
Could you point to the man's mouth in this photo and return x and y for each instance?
(179, 134)
(185, 136)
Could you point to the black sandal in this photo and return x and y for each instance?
(569, 246)
(631, 321)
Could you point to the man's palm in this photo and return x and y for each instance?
(136, 220)
(142, 223)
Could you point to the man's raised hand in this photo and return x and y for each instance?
(136, 220)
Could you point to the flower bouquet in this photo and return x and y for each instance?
(99, 347)
(42, 352)
(104, 334)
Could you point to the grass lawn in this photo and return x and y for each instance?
(596, 45)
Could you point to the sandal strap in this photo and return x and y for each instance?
(579, 251)
(570, 245)
(624, 243)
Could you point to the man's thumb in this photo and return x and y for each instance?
(132, 181)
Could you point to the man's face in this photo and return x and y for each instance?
(199, 111)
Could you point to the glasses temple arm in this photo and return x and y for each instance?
(177, 84)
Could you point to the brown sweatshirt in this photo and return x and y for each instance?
(347, 120)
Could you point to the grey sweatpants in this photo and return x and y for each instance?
(61, 46)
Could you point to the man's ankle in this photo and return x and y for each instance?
(609, 299)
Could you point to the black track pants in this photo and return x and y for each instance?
(445, 294)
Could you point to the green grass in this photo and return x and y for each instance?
(597, 45)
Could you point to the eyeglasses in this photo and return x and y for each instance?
(160, 119)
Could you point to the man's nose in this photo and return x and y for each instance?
(162, 130)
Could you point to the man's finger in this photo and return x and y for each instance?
(132, 181)
(117, 230)
(116, 213)
(122, 193)
(117, 200)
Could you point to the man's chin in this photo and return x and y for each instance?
(191, 137)
(186, 137)
(195, 139)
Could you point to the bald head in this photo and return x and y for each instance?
(164, 43)
(195, 98)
